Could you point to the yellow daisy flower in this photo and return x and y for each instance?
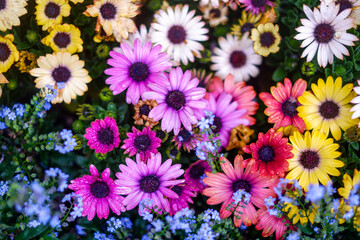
(8, 52)
(314, 158)
(50, 12)
(266, 39)
(328, 108)
(247, 22)
(27, 61)
(10, 11)
(114, 16)
(64, 38)
(63, 71)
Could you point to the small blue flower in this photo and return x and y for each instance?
(12, 116)
(66, 134)
(47, 106)
(270, 201)
(147, 216)
(2, 125)
(158, 225)
(33, 224)
(4, 187)
(61, 85)
(293, 236)
(315, 193)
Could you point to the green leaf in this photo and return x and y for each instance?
(355, 145)
(279, 74)
(31, 233)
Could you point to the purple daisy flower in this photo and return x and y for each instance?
(227, 116)
(256, 6)
(179, 101)
(185, 193)
(193, 175)
(103, 135)
(145, 142)
(149, 181)
(135, 68)
(187, 140)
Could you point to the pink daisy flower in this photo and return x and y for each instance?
(185, 193)
(187, 140)
(103, 135)
(242, 94)
(222, 186)
(179, 101)
(149, 181)
(99, 193)
(135, 68)
(144, 142)
(256, 6)
(282, 104)
(194, 174)
(227, 116)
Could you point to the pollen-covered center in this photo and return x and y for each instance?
(52, 10)
(142, 142)
(149, 184)
(196, 171)
(267, 39)
(176, 34)
(4, 52)
(258, 3)
(218, 125)
(324, 33)
(266, 153)
(237, 59)
(329, 109)
(61, 74)
(144, 110)
(99, 189)
(139, 71)
(175, 99)
(62, 39)
(289, 107)
(241, 184)
(185, 135)
(2, 4)
(108, 11)
(309, 159)
(105, 136)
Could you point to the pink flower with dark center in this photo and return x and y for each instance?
(193, 175)
(149, 181)
(185, 193)
(99, 193)
(103, 135)
(144, 142)
(187, 140)
(256, 6)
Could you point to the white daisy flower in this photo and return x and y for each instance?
(324, 32)
(236, 57)
(179, 33)
(214, 3)
(215, 16)
(354, 5)
(356, 101)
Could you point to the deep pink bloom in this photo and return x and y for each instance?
(195, 172)
(179, 101)
(256, 6)
(185, 193)
(242, 94)
(144, 142)
(187, 140)
(103, 135)
(149, 181)
(223, 185)
(99, 193)
(227, 116)
(136, 68)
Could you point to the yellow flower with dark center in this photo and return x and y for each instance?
(314, 158)
(247, 22)
(114, 16)
(26, 62)
(327, 108)
(64, 38)
(240, 137)
(304, 213)
(10, 11)
(50, 12)
(8, 52)
(266, 39)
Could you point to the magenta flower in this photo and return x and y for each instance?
(149, 181)
(185, 193)
(103, 135)
(194, 174)
(99, 193)
(179, 100)
(136, 68)
(256, 6)
(187, 140)
(227, 116)
(144, 142)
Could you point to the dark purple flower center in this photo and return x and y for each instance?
(289, 107)
(144, 110)
(160, 134)
(258, 3)
(267, 39)
(108, 11)
(218, 125)
(62, 39)
(105, 136)
(196, 171)
(176, 34)
(309, 159)
(52, 10)
(246, 28)
(266, 153)
(61, 74)
(2, 4)
(173, 152)
(302, 201)
(324, 33)
(237, 59)
(99, 189)
(175, 99)
(185, 135)
(329, 109)
(149, 184)
(142, 142)
(241, 184)
(139, 71)
(177, 189)
(215, 13)
(344, 4)
(4, 52)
